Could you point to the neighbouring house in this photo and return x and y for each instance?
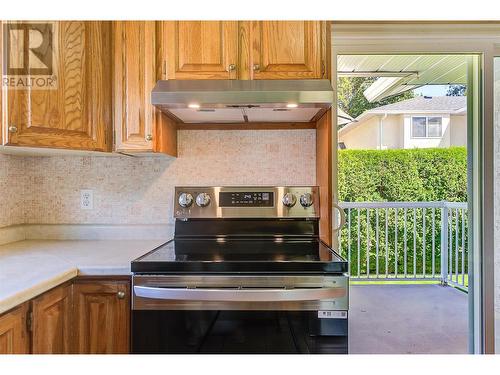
(419, 122)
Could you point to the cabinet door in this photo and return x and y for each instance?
(51, 321)
(134, 78)
(14, 337)
(102, 317)
(286, 50)
(76, 112)
(200, 49)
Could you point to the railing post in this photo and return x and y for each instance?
(444, 244)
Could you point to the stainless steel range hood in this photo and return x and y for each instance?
(233, 101)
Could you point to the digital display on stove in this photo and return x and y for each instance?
(246, 199)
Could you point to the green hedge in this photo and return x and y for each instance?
(400, 175)
(431, 174)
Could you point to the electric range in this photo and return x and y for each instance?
(246, 272)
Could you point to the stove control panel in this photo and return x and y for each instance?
(246, 199)
(246, 202)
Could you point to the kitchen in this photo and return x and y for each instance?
(169, 187)
(100, 165)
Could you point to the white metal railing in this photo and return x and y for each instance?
(406, 241)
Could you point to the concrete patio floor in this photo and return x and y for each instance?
(401, 319)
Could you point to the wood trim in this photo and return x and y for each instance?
(3, 122)
(326, 49)
(91, 278)
(244, 58)
(165, 134)
(249, 126)
(324, 175)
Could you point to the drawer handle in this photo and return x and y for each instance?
(240, 295)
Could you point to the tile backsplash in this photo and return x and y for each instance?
(13, 181)
(138, 190)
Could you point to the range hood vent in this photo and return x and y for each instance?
(233, 101)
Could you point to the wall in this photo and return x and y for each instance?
(139, 190)
(365, 134)
(458, 135)
(12, 184)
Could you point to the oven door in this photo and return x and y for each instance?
(239, 314)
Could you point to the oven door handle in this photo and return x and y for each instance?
(239, 295)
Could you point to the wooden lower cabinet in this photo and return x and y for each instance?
(14, 336)
(51, 321)
(102, 317)
(86, 316)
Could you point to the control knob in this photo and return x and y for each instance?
(203, 199)
(185, 200)
(289, 200)
(306, 200)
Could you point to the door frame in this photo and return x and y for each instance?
(474, 38)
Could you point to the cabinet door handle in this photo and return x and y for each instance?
(13, 129)
(256, 67)
(231, 67)
(120, 295)
(149, 137)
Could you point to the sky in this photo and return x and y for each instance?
(432, 90)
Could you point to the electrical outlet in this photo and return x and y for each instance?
(86, 199)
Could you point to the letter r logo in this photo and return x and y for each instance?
(28, 48)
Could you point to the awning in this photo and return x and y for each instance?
(343, 118)
(399, 73)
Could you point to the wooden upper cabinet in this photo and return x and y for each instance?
(139, 126)
(200, 49)
(286, 50)
(76, 112)
(134, 78)
(52, 321)
(102, 317)
(14, 337)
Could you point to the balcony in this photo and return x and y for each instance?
(408, 268)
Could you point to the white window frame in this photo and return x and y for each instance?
(426, 127)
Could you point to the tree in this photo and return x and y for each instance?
(351, 98)
(456, 90)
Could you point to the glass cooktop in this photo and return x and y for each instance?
(242, 255)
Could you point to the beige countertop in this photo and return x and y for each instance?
(29, 268)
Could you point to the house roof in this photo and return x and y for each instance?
(425, 104)
(419, 105)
